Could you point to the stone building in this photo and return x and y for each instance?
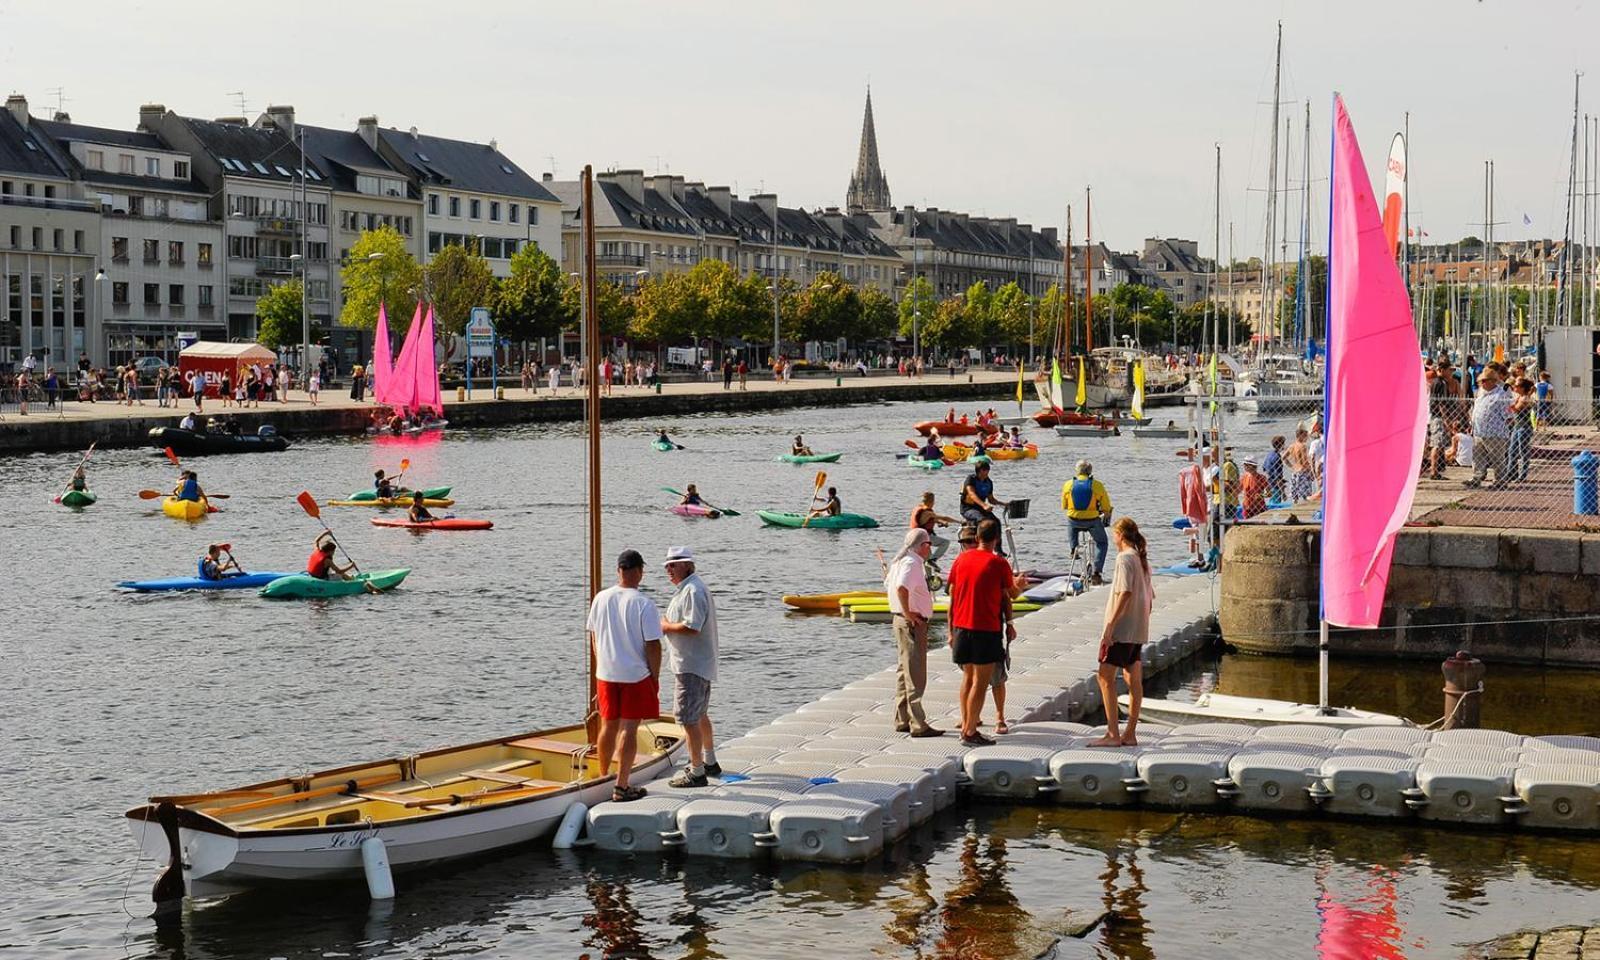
(955, 250)
(869, 188)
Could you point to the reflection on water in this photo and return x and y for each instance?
(1363, 924)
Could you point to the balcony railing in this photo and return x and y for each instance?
(276, 224)
(49, 203)
(619, 260)
(274, 265)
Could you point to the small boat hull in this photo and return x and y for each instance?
(77, 498)
(925, 464)
(305, 586)
(443, 523)
(1161, 433)
(241, 582)
(1219, 707)
(829, 602)
(811, 457)
(1085, 430)
(695, 510)
(428, 493)
(186, 509)
(843, 521)
(192, 443)
(948, 428)
(1028, 452)
(393, 502)
(663, 447)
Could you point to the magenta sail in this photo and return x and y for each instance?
(402, 393)
(382, 360)
(1377, 413)
(425, 375)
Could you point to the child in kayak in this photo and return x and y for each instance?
(419, 510)
(830, 508)
(188, 487)
(661, 437)
(80, 479)
(321, 564)
(931, 450)
(382, 485)
(799, 448)
(212, 566)
(691, 497)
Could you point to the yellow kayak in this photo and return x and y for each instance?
(185, 509)
(957, 451)
(392, 502)
(1027, 452)
(829, 602)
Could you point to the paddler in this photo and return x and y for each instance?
(188, 487)
(691, 497)
(80, 479)
(977, 496)
(213, 567)
(321, 563)
(830, 507)
(661, 437)
(799, 448)
(419, 508)
(1014, 439)
(931, 450)
(382, 485)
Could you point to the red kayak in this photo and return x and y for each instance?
(1051, 418)
(951, 428)
(443, 523)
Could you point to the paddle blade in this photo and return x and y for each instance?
(308, 503)
(171, 456)
(821, 479)
(913, 445)
(405, 465)
(150, 494)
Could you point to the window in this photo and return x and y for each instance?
(180, 169)
(202, 254)
(513, 212)
(433, 204)
(57, 237)
(119, 292)
(494, 211)
(175, 294)
(77, 241)
(242, 248)
(206, 295)
(27, 189)
(119, 249)
(152, 166)
(97, 159)
(533, 216)
(152, 251)
(434, 244)
(152, 294)
(455, 206)
(261, 168)
(125, 163)
(476, 208)
(6, 187)
(49, 191)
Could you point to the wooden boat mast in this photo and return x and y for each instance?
(1064, 334)
(591, 350)
(1088, 273)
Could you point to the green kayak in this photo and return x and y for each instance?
(430, 493)
(663, 447)
(925, 464)
(974, 461)
(843, 521)
(302, 585)
(811, 458)
(77, 498)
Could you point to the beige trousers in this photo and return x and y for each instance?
(912, 679)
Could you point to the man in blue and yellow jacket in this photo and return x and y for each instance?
(1088, 509)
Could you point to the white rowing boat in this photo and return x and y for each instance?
(430, 807)
(1222, 708)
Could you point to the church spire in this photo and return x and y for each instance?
(869, 189)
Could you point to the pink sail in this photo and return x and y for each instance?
(403, 388)
(426, 373)
(1377, 414)
(382, 359)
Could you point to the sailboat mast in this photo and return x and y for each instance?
(591, 350)
(1564, 267)
(1216, 249)
(1064, 332)
(1267, 271)
(1302, 287)
(1088, 272)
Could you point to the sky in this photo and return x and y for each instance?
(1003, 109)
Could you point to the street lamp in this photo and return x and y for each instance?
(305, 317)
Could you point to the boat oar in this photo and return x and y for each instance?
(308, 503)
(405, 464)
(88, 453)
(227, 548)
(722, 510)
(821, 479)
(157, 495)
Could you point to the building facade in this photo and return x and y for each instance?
(955, 250)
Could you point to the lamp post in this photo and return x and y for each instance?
(99, 303)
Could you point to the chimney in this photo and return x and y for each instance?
(722, 198)
(236, 121)
(676, 185)
(282, 117)
(631, 182)
(494, 145)
(548, 177)
(367, 127)
(150, 115)
(1049, 234)
(768, 202)
(17, 106)
(61, 116)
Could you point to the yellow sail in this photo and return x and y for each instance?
(1083, 386)
(1019, 384)
(1138, 390)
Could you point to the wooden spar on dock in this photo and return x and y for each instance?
(591, 350)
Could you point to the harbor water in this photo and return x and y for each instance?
(112, 697)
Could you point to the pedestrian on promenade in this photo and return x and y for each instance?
(727, 373)
(52, 388)
(744, 375)
(1298, 461)
(1491, 430)
(981, 587)
(132, 379)
(1272, 468)
(1546, 391)
(357, 382)
(926, 518)
(1441, 419)
(1088, 509)
(691, 630)
(1126, 630)
(314, 386)
(1252, 490)
(1522, 407)
(555, 378)
(912, 606)
(197, 387)
(22, 393)
(625, 630)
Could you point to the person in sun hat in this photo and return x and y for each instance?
(911, 604)
(626, 630)
(1253, 487)
(690, 626)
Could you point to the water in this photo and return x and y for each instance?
(113, 697)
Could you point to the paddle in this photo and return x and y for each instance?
(157, 495)
(308, 503)
(405, 464)
(227, 548)
(710, 506)
(821, 479)
(87, 454)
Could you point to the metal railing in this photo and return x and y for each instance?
(49, 203)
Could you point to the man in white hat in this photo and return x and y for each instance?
(906, 583)
(690, 626)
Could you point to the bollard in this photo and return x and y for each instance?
(1463, 690)
(658, 388)
(838, 381)
(1584, 490)
(499, 393)
(461, 394)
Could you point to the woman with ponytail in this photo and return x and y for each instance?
(1127, 628)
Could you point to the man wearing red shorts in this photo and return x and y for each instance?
(625, 629)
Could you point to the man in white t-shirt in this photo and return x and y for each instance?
(625, 629)
(691, 633)
(911, 604)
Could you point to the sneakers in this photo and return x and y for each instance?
(927, 732)
(977, 740)
(626, 794)
(688, 779)
(1097, 581)
(714, 770)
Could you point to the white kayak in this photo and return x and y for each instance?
(1256, 711)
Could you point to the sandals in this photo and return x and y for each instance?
(1002, 728)
(626, 794)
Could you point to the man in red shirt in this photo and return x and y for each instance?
(981, 588)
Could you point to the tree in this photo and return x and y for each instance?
(614, 308)
(669, 308)
(917, 301)
(395, 276)
(278, 316)
(457, 280)
(976, 314)
(946, 327)
(532, 303)
(877, 320)
(1011, 313)
(827, 310)
(1052, 308)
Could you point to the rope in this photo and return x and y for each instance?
(1440, 626)
(1445, 720)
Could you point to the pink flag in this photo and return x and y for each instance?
(1376, 398)
(426, 375)
(403, 388)
(382, 359)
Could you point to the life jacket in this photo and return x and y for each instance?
(1082, 493)
(200, 569)
(318, 563)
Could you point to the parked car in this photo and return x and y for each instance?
(148, 367)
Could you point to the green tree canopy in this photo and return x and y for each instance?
(457, 279)
(669, 308)
(395, 276)
(614, 307)
(278, 316)
(826, 310)
(917, 300)
(532, 302)
(1011, 312)
(877, 319)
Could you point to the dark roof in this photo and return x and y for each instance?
(68, 132)
(143, 183)
(22, 152)
(442, 162)
(239, 149)
(341, 153)
(953, 231)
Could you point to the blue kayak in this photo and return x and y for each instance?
(241, 582)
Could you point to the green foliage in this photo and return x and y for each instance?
(877, 319)
(946, 328)
(278, 315)
(1011, 314)
(975, 315)
(734, 306)
(395, 277)
(532, 302)
(827, 310)
(668, 308)
(917, 299)
(457, 280)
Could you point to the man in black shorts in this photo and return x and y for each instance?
(981, 588)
